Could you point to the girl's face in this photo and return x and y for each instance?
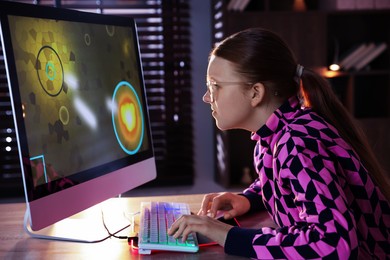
(228, 94)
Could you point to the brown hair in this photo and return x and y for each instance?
(262, 56)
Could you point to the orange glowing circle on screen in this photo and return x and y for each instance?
(127, 114)
(127, 118)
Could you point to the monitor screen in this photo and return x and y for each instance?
(79, 101)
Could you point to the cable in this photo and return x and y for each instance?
(114, 234)
(131, 240)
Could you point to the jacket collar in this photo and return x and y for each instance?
(285, 113)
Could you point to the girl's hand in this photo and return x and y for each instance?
(205, 225)
(234, 205)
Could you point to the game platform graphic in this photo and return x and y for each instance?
(81, 95)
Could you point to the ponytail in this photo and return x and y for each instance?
(318, 94)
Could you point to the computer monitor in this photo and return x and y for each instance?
(79, 101)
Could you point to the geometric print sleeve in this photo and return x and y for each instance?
(305, 198)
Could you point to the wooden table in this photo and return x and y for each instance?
(16, 244)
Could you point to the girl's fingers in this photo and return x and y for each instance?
(206, 204)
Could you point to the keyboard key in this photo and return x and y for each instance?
(156, 218)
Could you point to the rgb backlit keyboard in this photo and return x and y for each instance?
(155, 220)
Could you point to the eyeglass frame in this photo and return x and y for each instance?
(212, 85)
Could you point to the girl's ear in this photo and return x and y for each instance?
(258, 94)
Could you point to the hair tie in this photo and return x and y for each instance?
(298, 73)
(299, 70)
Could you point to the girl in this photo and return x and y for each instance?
(317, 176)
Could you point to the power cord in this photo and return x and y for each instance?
(132, 240)
(113, 234)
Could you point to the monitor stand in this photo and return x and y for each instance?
(93, 225)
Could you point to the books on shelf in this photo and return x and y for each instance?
(352, 55)
(237, 5)
(361, 55)
(378, 50)
(368, 47)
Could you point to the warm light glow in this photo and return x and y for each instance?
(334, 67)
(331, 74)
(325, 72)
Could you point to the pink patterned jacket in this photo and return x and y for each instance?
(316, 190)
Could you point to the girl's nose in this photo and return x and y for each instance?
(206, 97)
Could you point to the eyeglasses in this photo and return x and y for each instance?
(212, 86)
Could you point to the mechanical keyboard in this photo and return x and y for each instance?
(155, 220)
